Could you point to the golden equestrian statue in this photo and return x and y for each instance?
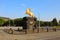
(28, 11)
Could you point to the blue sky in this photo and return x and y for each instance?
(47, 9)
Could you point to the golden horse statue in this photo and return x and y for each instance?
(28, 11)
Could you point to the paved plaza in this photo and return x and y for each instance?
(33, 36)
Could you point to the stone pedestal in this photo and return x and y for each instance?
(29, 22)
(29, 31)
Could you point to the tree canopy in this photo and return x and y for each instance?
(19, 22)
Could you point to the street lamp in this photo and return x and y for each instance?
(9, 22)
(38, 22)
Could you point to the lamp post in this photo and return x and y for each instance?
(13, 22)
(9, 22)
(38, 22)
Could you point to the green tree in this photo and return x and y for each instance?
(54, 21)
(17, 22)
(50, 24)
(8, 23)
(1, 21)
(59, 23)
